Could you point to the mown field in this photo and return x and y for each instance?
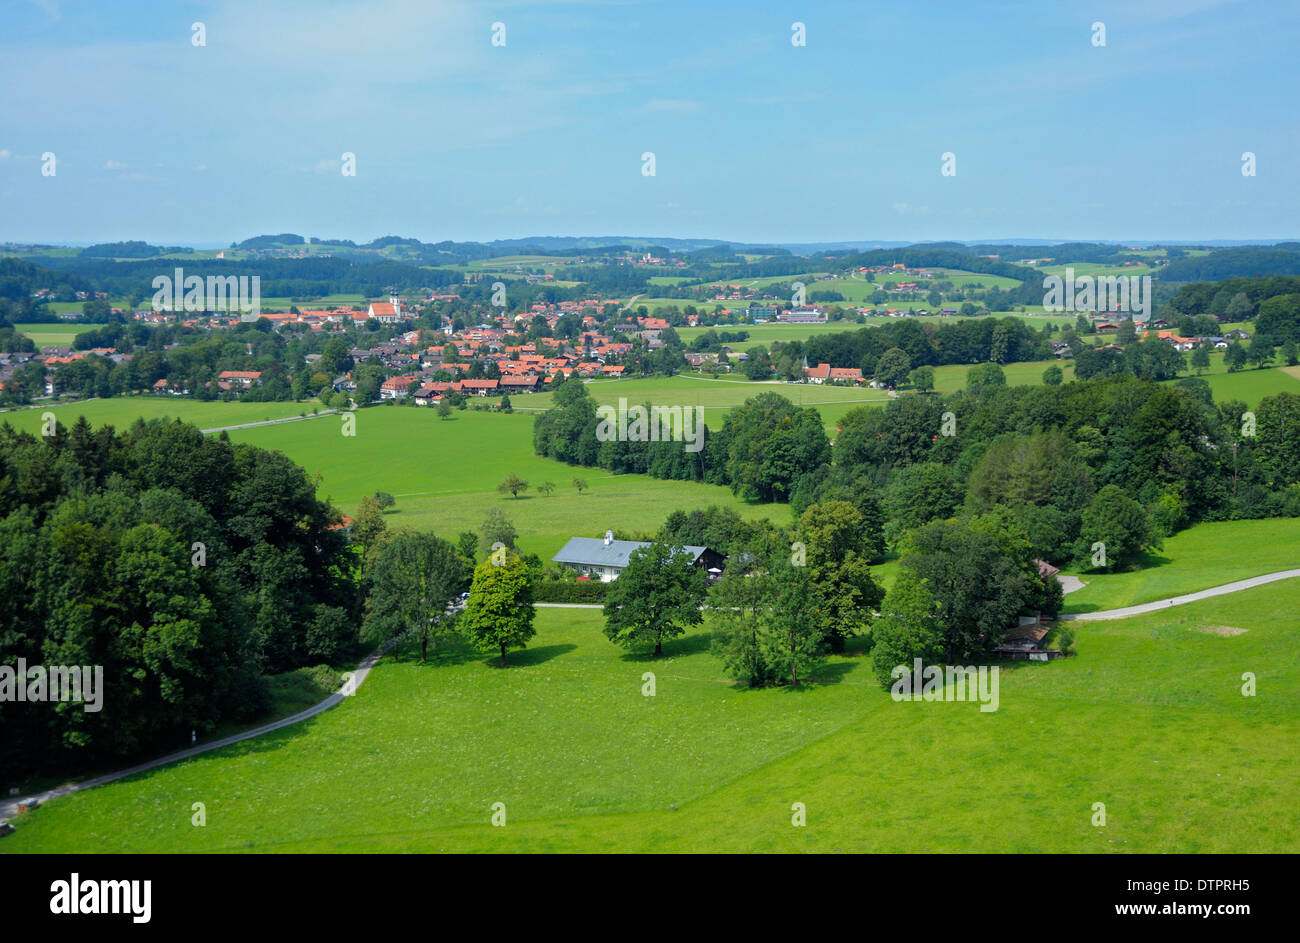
(60, 334)
(767, 333)
(444, 475)
(1148, 719)
(1250, 385)
(716, 396)
(122, 411)
(1202, 556)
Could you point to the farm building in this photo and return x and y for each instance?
(606, 558)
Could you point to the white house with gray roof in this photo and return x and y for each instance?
(605, 559)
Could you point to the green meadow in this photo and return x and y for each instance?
(60, 334)
(1202, 556)
(1095, 269)
(444, 474)
(1148, 719)
(767, 333)
(716, 396)
(773, 331)
(1250, 385)
(952, 377)
(121, 411)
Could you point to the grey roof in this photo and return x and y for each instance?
(593, 551)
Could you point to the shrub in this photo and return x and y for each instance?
(592, 591)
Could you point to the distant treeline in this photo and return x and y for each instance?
(280, 277)
(976, 340)
(128, 250)
(1217, 297)
(1243, 262)
(1117, 459)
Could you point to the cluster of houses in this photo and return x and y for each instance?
(51, 358)
(522, 368)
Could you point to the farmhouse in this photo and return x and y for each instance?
(240, 378)
(606, 559)
(825, 373)
(1025, 641)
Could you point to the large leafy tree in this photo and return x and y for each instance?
(791, 638)
(655, 597)
(909, 627)
(921, 493)
(981, 574)
(413, 577)
(567, 431)
(837, 560)
(500, 611)
(738, 607)
(1120, 524)
(770, 442)
(496, 529)
(900, 434)
(893, 367)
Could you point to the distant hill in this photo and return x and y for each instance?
(1243, 262)
(270, 242)
(129, 250)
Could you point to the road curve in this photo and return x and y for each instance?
(9, 806)
(1180, 600)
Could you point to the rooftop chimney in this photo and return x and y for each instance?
(609, 537)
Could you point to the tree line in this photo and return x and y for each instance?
(1117, 459)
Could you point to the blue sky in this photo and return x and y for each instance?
(754, 139)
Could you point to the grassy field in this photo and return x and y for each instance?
(1197, 558)
(952, 377)
(444, 474)
(122, 411)
(1148, 719)
(767, 333)
(716, 396)
(1249, 386)
(1095, 269)
(54, 335)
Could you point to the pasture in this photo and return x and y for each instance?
(122, 411)
(56, 334)
(1148, 719)
(716, 396)
(444, 473)
(1205, 555)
